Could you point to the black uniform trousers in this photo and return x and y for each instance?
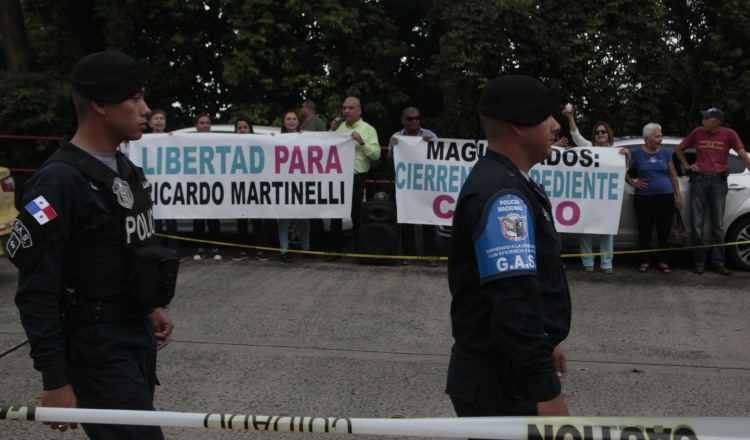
(113, 366)
(480, 390)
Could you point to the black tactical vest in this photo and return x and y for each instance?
(97, 263)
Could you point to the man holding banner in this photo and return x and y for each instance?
(367, 150)
(411, 120)
(511, 303)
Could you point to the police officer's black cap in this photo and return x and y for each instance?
(519, 99)
(109, 76)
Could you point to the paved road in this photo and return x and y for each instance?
(342, 339)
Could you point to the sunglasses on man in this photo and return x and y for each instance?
(413, 118)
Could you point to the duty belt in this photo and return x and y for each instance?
(101, 312)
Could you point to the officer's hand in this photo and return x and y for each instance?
(163, 327)
(63, 397)
(555, 407)
(560, 363)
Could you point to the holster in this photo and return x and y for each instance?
(153, 275)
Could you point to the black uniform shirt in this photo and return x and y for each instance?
(60, 208)
(510, 296)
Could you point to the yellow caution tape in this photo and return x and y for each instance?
(425, 258)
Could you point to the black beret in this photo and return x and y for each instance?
(109, 76)
(519, 99)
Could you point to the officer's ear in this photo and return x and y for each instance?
(516, 129)
(98, 107)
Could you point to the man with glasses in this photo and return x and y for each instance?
(708, 183)
(411, 120)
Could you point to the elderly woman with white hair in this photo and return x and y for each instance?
(657, 194)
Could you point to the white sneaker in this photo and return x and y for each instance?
(199, 254)
(217, 257)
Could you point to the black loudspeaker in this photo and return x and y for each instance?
(378, 232)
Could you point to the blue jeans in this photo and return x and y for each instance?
(303, 226)
(711, 192)
(606, 246)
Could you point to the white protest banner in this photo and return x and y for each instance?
(227, 175)
(585, 184)
(429, 176)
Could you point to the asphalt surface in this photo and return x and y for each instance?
(318, 338)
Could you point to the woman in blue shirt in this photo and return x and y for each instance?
(657, 194)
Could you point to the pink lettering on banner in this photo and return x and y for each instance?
(315, 153)
(441, 211)
(567, 207)
(313, 160)
(281, 154)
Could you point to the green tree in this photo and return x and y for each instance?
(628, 62)
(713, 58)
(325, 51)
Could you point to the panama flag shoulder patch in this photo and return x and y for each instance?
(41, 210)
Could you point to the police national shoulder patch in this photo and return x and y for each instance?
(506, 245)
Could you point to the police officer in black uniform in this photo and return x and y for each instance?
(511, 305)
(92, 314)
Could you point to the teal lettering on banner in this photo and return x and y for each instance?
(192, 160)
(577, 185)
(431, 177)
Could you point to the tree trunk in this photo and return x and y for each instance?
(15, 41)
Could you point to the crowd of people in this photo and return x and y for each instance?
(650, 171)
(367, 153)
(657, 195)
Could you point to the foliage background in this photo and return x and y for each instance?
(628, 62)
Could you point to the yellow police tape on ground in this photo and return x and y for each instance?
(298, 251)
(424, 258)
(509, 428)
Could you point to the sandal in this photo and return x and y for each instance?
(644, 267)
(664, 268)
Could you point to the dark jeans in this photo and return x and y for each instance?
(655, 210)
(708, 194)
(214, 231)
(170, 227)
(358, 193)
(409, 242)
(259, 232)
